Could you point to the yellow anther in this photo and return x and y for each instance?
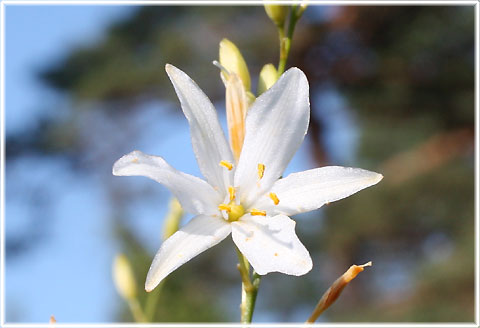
(227, 164)
(231, 192)
(254, 211)
(224, 207)
(274, 197)
(260, 170)
(135, 160)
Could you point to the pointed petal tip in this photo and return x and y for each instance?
(377, 177)
(171, 70)
(149, 287)
(127, 158)
(295, 70)
(150, 282)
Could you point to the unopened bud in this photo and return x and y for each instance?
(268, 77)
(277, 13)
(173, 218)
(232, 60)
(123, 277)
(236, 107)
(301, 8)
(335, 290)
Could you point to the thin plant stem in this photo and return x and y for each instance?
(152, 301)
(286, 41)
(136, 310)
(249, 288)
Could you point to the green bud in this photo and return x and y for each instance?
(173, 218)
(123, 277)
(268, 77)
(277, 13)
(301, 8)
(231, 58)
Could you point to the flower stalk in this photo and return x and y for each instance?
(286, 40)
(249, 288)
(136, 310)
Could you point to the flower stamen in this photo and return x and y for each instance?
(225, 207)
(226, 164)
(231, 192)
(254, 211)
(273, 196)
(260, 170)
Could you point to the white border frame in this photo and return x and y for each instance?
(3, 4)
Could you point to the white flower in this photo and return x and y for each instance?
(247, 199)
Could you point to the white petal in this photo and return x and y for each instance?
(198, 235)
(195, 195)
(271, 245)
(308, 190)
(208, 139)
(275, 127)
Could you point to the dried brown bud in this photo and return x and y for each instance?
(335, 290)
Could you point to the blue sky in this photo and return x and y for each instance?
(40, 35)
(48, 279)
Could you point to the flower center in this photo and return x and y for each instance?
(234, 211)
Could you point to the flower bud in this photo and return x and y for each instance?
(123, 277)
(268, 77)
(232, 60)
(301, 8)
(277, 13)
(236, 103)
(173, 218)
(335, 290)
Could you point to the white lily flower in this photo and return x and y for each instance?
(248, 198)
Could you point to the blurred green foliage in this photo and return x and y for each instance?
(407, 75)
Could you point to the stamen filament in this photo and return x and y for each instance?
(231, 193)
(225, 207)
(221, 67)
(254, 211)
(226, 164)
(260, 170)
(274, 197)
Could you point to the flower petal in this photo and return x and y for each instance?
(275, 127)
(198, 235)
(308, 190)
(195, 195)
(271, 245)
(208, 139)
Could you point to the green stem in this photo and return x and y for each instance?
(136, 310)
(286, 41)
(249, 289)
(152, 301)
(281, 32)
